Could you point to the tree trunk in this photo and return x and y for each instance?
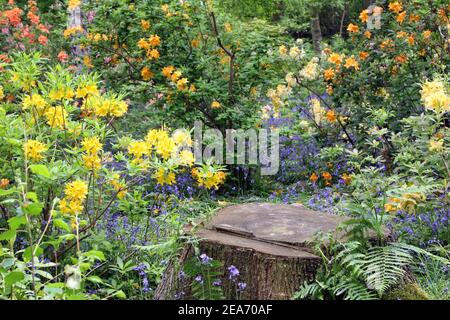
(344, 14)
(269, 244)
(316, 32)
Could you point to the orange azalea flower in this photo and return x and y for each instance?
(314, 178)
(402, 34)
(363, 55)
(331, 116)
(329, 74)
(387, 44)
(402, 58)
(347, 179)
(335, 58)
(4, 183)
(153, 54)
(351, 63)
(411, 40)
(401, 17)
(167, 71)
(427, 34)
(414, 18)
(145, 25)
(368, 34)
(327, 176)
(364, 16)
(146, 74)
(330, 90)
(352, 28)
(63, 56)
(43, 40)
(154, 40)
(33, 18)
(396, 7)
(327, 51)
(14, 16)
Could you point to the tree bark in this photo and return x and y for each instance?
(316, 32)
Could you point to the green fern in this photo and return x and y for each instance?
(204, 288)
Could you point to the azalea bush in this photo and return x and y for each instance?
(183, 61)
(64, 169)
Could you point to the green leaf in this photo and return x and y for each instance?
(6, 192)
(14, 277)
(98, 255)
(33, 209)
(16, 222)
(94, 279)
(7, 235)
(61, 224)
(40, 170)
(120, 294)
(28, 253)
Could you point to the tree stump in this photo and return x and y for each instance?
(270, 244)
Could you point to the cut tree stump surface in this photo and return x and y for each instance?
(273, 223)
(270, 244)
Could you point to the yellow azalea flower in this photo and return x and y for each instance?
(295, 52)
(147, 74)
(73, 4)
(88, 90)
(87, 62)
(283, 50)
(34, 150)
(76, 190)
(436, 145)
(70, 207)
(310, 71)
(34, 101)
(435, 97)
(164, 177)
(351, 63)
(186, 158)
(2, 94)
(176, 75)
(164, 146)
(138, 149)
(215, 104)
(92, 162)
(353, 28)
(182, 84)
(368, 34)
(145, 25)
(57, 117)
(92, 145)
(182, 138)
(228, 27)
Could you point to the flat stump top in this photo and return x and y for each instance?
(274, 223)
